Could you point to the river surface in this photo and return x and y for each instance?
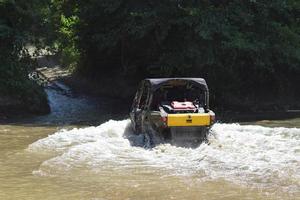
(79, 152)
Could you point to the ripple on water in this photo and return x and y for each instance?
(252, 155)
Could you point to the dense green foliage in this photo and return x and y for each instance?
(245, 49)
(18, 25)
(61, 23)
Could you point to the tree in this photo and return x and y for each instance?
(253, 44)
(19, 25)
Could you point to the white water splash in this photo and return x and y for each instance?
(251, 155)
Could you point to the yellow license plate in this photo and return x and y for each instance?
(194, 119)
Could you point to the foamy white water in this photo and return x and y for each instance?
(253, 156)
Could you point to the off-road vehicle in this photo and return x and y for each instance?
(174, 110)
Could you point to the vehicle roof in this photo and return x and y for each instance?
(157, 82)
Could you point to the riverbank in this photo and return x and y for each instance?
(120, 87)
(18, 93)
(124, 89)
(29, 99)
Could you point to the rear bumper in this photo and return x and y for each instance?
(192, 119)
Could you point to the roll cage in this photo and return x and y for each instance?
(149, 88)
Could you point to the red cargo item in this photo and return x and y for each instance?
(186, 105)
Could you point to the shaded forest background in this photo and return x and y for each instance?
(248, 51)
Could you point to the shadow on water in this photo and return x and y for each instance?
(233, 117)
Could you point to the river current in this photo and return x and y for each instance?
(97, 162)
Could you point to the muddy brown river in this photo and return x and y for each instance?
(79, 152)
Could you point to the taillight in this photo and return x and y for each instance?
(212, 118)
(164, 120)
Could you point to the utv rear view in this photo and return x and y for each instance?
(174, 110)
